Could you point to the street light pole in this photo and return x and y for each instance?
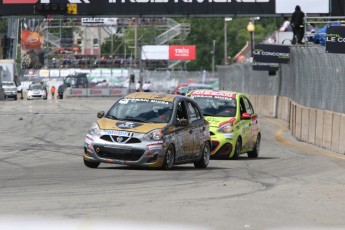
(251, 29)
(213, 56)
(226, 20)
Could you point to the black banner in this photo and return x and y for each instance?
(270, 53)
(338, 8)
(265, 66)
(335, 39)
(149, 8)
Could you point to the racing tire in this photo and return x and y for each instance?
(205, 158)
(256, 150)
(169, 158)
(91, 164)
(238, 149)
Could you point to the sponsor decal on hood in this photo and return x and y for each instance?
(127, 125)
(215, 121)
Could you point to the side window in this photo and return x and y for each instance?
(181, 111)
(243, 106)
(249, 106)
(193, 111)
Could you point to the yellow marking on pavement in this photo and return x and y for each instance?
(280, 139)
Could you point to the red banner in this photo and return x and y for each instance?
(19, 1)
(182, 53)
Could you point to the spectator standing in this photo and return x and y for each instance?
(286, 25)
(52, 90)
(137, 87)
(147, 86)
(297, 24)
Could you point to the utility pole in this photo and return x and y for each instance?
(213, 56)
(226, 20)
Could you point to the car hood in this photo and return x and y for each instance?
(215, 121)
(130, 126)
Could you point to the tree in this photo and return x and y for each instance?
(205, 30)
(3, 26)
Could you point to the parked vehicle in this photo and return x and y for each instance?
(77, 80)
(37, 91)
(10, 89)
(149, 129)
(181, 89)
(60, 91)
(233, 122)
(192, 87)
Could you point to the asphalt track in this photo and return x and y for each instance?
(45, 185)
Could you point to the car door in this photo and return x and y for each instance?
(197, 128)
(245, 124)
(254, 126)
(184, 140)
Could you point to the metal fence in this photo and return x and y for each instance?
(313, 78)
(166, 81)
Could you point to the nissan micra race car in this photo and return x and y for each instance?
(233, 123)
(149, 129)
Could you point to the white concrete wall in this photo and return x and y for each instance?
(322, 128)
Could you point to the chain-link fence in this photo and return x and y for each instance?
(313, 78)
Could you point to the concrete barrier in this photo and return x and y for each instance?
(322, 128)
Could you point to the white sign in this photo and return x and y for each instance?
(155, 53)
(98, 21)
(307, 6)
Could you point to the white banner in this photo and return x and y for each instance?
(155, 53)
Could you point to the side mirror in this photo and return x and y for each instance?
(246, 116)
(100, 114)
(182, 122)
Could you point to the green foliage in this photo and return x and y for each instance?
(113, 46)
(3, 26)
(205, 30)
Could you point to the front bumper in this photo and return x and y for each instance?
(143, 153)
(223, 145)
(10, 93)
(36, 96)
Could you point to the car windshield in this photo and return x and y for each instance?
(142, 110)
(36, 87)
(217, 107)
(9, 84)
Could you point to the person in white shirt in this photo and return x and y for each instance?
(286, 25)
(137, 87)
(147, 86)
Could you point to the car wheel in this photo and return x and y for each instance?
(238, 149)
(15, 98)
(256, 150)
(169, 158)
(205, 158)
(91, 164)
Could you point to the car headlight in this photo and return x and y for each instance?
(156, 135)
(227, 128)
(94, 129)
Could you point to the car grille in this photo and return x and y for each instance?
(126, 154)
(125, 140)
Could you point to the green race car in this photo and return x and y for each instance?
(234, 126)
